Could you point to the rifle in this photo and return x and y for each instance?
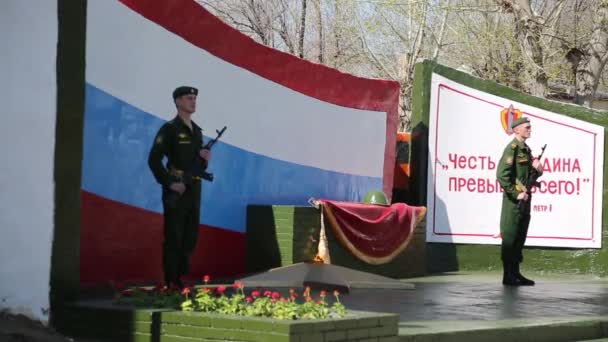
(532, 180)
(200, 165)
(197, 172)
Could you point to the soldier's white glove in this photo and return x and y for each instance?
(537, 165)
(178, 187)
(205, 154)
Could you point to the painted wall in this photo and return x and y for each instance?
(27, 134)
(295, 130)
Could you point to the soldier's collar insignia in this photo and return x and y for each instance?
(159, 139)
(182, 135)
(513, 145)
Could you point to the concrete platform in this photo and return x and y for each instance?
(477, 307)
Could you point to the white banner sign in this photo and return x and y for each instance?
(468, 131)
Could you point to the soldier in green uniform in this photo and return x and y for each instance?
(512, 173)
(180, 141)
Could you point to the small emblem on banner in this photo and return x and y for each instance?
(507, 116)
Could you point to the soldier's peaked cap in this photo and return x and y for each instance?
(184, 90)
(519, 122)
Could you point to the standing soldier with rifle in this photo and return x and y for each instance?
(180, 140)
(517, 172)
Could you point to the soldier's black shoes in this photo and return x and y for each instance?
(512, 276)
(514, 280)
(511, 280)
(176, 282)
(524, 281)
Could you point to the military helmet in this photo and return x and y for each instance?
(376, 197)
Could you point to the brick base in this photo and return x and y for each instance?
(114, 323)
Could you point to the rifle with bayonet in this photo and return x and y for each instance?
(532, 180)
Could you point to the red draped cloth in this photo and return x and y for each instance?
(373, 233)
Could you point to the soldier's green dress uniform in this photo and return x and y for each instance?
(181, 147)
(512, 173)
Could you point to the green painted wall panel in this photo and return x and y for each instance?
(70, 66)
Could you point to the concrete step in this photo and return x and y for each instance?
(521, 330)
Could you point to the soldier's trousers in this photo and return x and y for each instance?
(514, 230)
(181, 225)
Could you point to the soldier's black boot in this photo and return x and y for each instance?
(509, 276)
(174, 280)
(524, 281)
(175, 283)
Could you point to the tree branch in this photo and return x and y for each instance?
(441, 31)
(371, 53)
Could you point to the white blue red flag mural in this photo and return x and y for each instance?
(296, 130)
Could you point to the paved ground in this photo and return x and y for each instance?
(18, 328)
(477, 307)
(481, 296)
